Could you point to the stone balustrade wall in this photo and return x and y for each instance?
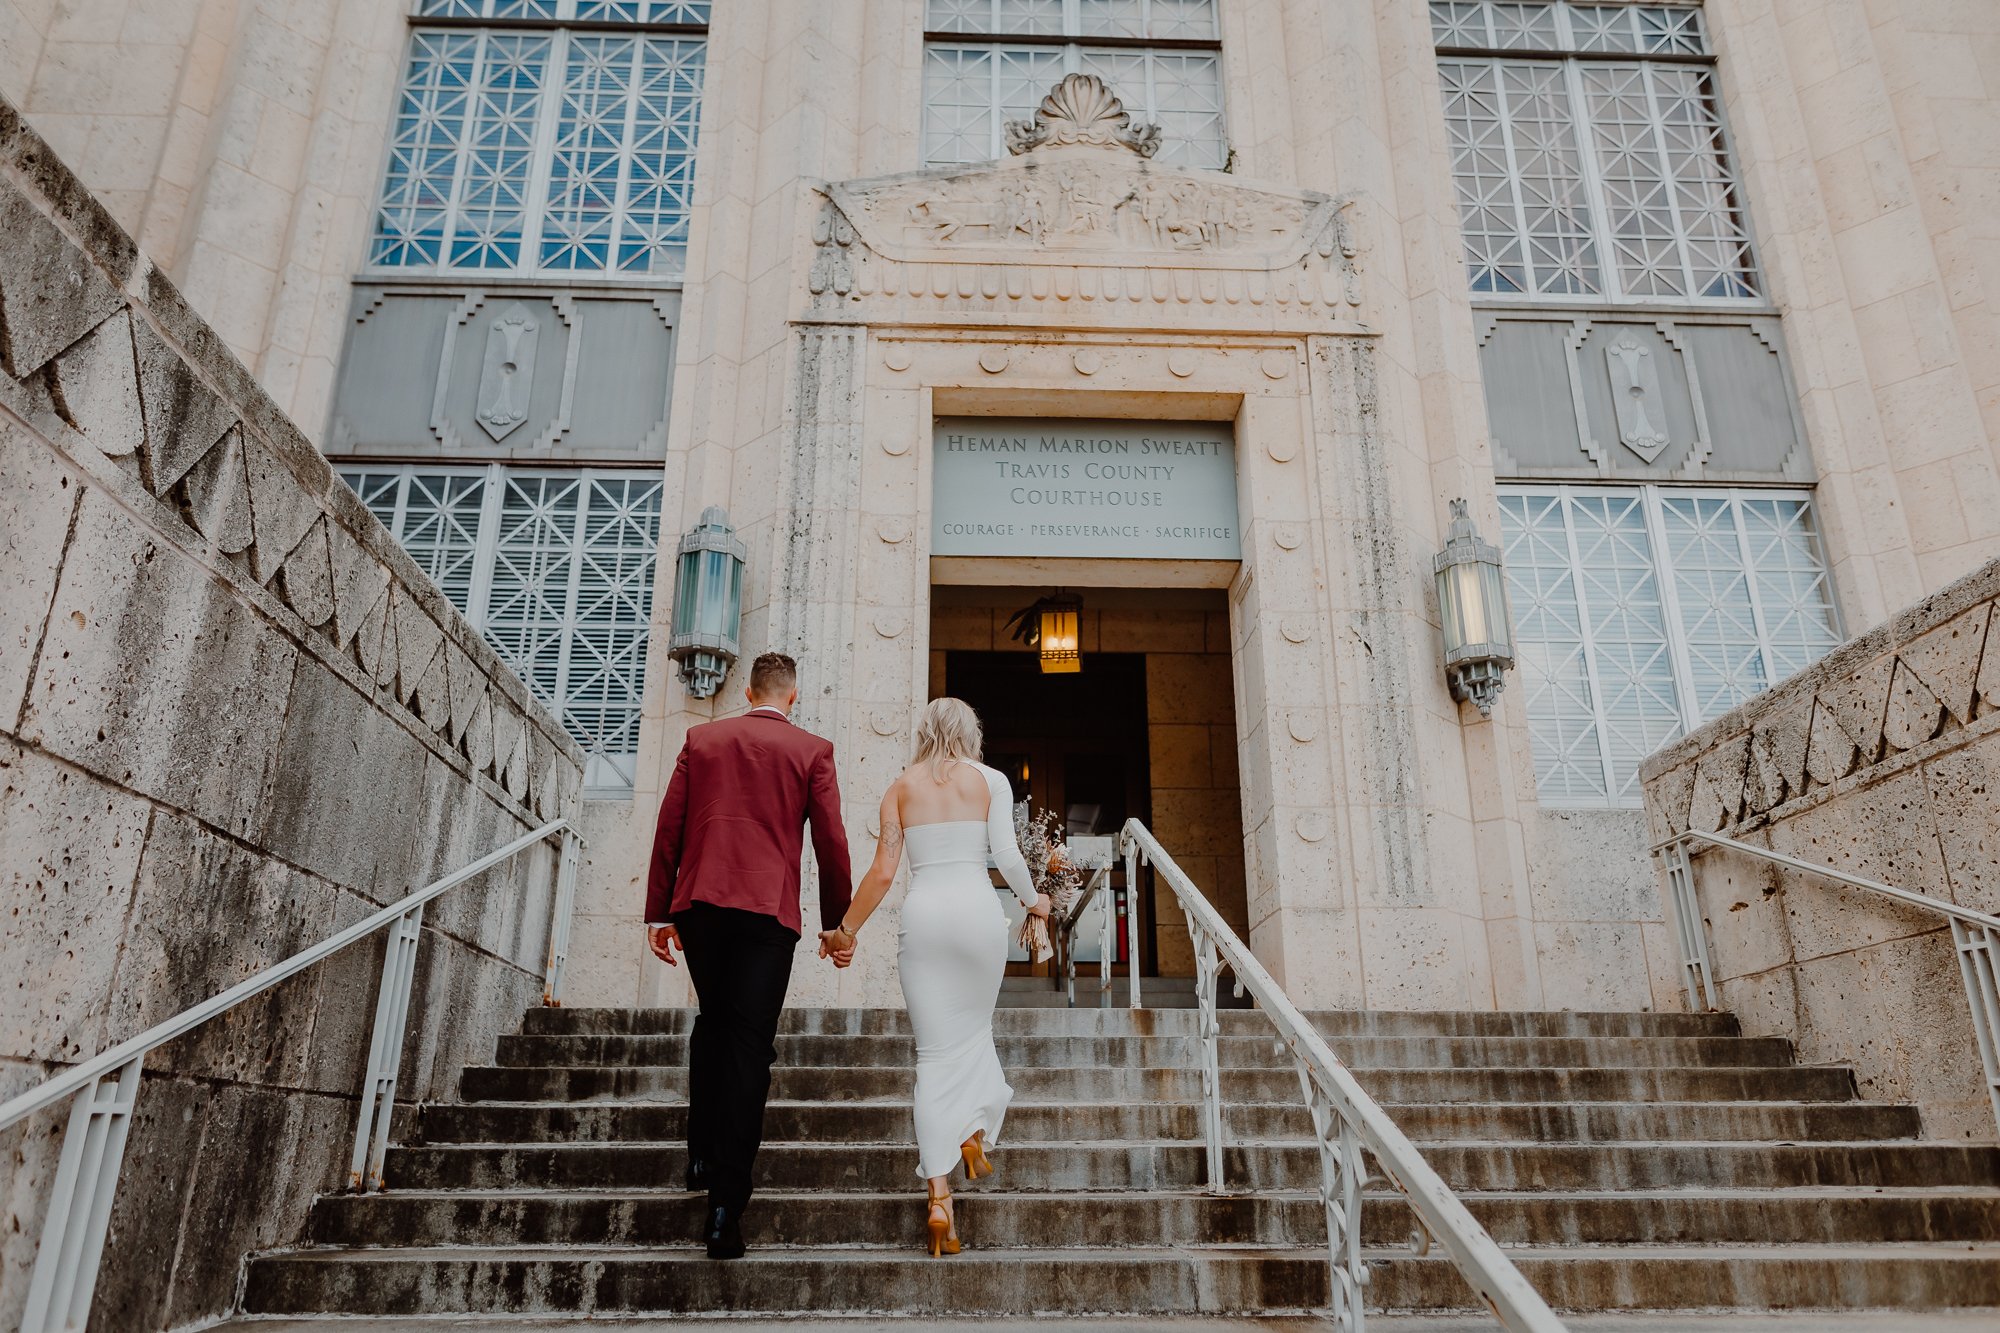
(1882, 760)
(234, 717)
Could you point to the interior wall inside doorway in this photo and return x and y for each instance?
(1193, 798)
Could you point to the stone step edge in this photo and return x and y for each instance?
(684, 1252)
(1482, 1070)
(1011, 1198)
(1027, 1104)
(1230, 1141)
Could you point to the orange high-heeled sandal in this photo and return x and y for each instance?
(973, 1151)
(939, 1220)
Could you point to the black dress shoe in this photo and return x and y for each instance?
(725, 1235)
(697, 1176)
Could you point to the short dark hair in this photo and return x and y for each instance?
(771, 674)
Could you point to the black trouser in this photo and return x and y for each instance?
(740, 963)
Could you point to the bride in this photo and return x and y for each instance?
(953, 812)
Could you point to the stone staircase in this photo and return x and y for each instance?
(1628, 1161)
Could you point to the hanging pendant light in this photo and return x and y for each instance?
(1053, 627)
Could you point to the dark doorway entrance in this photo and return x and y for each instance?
(1072, 743)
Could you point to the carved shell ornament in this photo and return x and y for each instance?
(1081, 110)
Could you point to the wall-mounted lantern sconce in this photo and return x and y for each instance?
(1472, 609)
(1052, 627)
(708, 603)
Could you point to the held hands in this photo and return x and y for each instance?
(838, 945)
(663, 940)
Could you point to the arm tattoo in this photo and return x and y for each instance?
(892, 839)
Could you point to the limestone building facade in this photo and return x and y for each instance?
(1202, 311)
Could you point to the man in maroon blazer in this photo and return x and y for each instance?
(724, 886)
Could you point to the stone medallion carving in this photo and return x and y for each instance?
(897, 356)
(890, 625)
(1181, 363)
(883, 722)
(1302, 725)
(1288, 537)
(994, 360)
(1087, 362)
(508, 373)
(1081, 110)
(1296, 629)
(1312, 826)
(893, 530)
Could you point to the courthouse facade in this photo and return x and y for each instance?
(1697, 306)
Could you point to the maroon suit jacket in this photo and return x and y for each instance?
(732, 824)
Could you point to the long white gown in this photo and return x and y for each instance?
(953, 954)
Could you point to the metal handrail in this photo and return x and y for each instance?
(1346, 1121)
(1975, 936)
(1066, 931)
(105, 1087)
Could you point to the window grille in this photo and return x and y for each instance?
(1583, 174)
(987, 62)
(527, 148)
(1642, 612)
(555, 569)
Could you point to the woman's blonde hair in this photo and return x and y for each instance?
(947, 733)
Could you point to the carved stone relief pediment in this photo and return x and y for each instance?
(1080, 206)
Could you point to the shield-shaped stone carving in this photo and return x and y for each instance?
(506, 380)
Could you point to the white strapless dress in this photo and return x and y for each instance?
(953, 954)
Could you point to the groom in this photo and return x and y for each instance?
(724, 887)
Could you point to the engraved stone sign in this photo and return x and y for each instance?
(1045, 486)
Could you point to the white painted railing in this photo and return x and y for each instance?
(105, 1088)
(1346, 1121)
(1975, 935)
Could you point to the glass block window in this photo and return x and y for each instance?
(556, 570)
(1642, 612)
(524, 147)
(1584, 174)
(987, 62)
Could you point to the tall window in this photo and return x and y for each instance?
(990, 61)
(545, 136)
(1588, 147)
(556, 570)
(1640, 612)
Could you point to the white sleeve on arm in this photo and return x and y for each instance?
(1000, 838)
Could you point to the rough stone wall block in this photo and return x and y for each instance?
(50, 292)
(184, 417)
(1946, 660)
(1778, 758)
(216, 491)
(506, 735)
(308, 577)
(433, 697)
(1914, 714)
(417, 641)
(1859, 703)
(360, 585)
(279, 510)
(479, 735)
(1830, 752)
(1988, 684)
(466, 684)
(96, 387)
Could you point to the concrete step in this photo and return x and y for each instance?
(1089, 1052)
(879, 1122)
(1685, 1321)
(654, 1218)
(1144, 1022)
(1187, 1279)
(1154, 1165)
(587, 1083)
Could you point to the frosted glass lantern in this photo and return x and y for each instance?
(1472, 610)
(1061, 644)
(708, 603)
